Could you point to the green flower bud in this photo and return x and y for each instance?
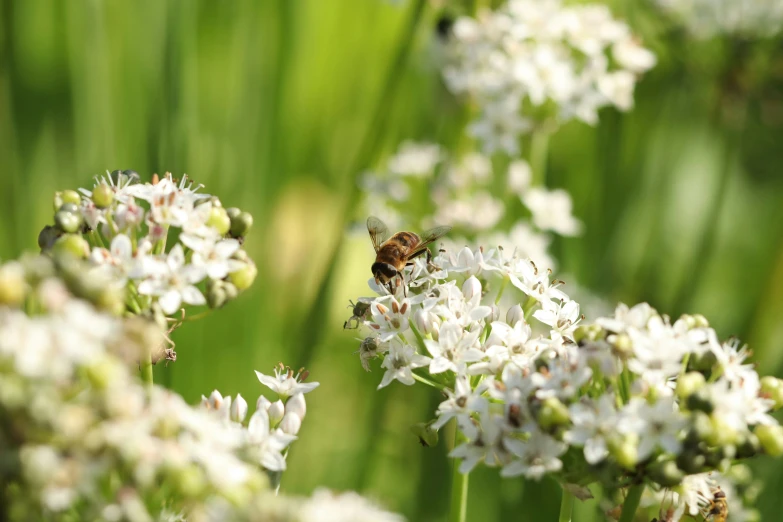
(219, 220)
(623, 346)
(69, 207)
(700, 400)
(700, 430)
(216, 297)
(13, 287)
(66, 196)
(723, 434)
(772, 388)
(241, 255)
(102, 372)
(233, 213)
(190, 481)
(231, 291)
(244, 277)
(771, 439)
(102, 195)
(71, 245)
(701, 321)
(689, 384)
(47, 237)
(111, 299)
(702, 362)
(748, 445)
(240, 225)
(427, 436)
(625, 451)
(667, 474)
(69, 222)
(552, 413)
(691, 462)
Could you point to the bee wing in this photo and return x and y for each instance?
(378, 231)
(428, 237)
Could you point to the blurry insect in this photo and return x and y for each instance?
(718, 507)
(360, 310)
(394, 253)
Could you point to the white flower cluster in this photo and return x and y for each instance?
(463, 193)
(708, 18)
(532, 60)
(122, 226)
(83, 439)
(531, 385)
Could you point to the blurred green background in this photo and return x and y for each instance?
(270, 105)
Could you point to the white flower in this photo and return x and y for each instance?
(389, 321)
(552, 210)
(460, 404)
(325, 506)
(594, 424)
(285, 383)
(454, 348)
(535, 457)
(657, 425)
(415, 159)
(214, 257)
(562, 317)
(400, 362)
(268, 444)
(486, 443)
(173, 281)
(746, 19)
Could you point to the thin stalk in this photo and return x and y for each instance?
(459, 488)
(566, 506)
(146, 370)
(539, 153)
(428, 382)
(631, 503)
(316, 317)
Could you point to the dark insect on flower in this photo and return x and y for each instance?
(443, 25)
(360, 310)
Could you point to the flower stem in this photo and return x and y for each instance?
(459, 488)
(566, 506)
(631, 503)
(539, 153)
(146, 371)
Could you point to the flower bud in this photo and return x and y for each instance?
(296, 404)
(263, 403)
(772, 388)
(276, 411)
(514, 315)
(12, 284)
(66, 196)
(219, 220)
(216, 294)
(189, 481)
(238, 409)
(667, 474)
(691, 461)
(47, 237)
(231, 291)
(291, 423)
(241, 223)
(623, 345)
(494, 314)
(427, 436)
(771, 439)
(71, 245)
(702, 362)
(233, 213)
(689, 384)
(625, 451)
(111, 299)
(216, 400)
(70, 222)
(245, 276)
(723, 433)
(471, 287)
(552, 413)
(102, 195)
(69, 207)
(424, 321)
(699, 400)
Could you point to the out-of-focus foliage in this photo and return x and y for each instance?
(268, 103)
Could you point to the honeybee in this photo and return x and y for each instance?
(394, 253)
(718, 507)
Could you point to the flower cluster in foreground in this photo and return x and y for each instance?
(463, 193)
(536, 390)
(533, 60)
(82, 439)
(708, 18)
(123, 227)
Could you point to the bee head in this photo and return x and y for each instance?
(383, 272)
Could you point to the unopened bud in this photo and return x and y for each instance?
(296, 404)
(102, 195)
(71, 245)
(691, 462)
(263, 403)
(219, 220)
(245, 276)
(667, 474)
(238, 409)
(772, 388)
(231, 291)
(494, 315)
(276, 411)
(514, 315)
(748, 445)
(700, 400)
(66, 196)
(291, 423)
(216, 294)
(771, 439)
(702, 361)
(240, 225)
(723, 433)
(13, 287)
(625, 451)
(553, 413)
(47, 237)
(689, 384)
(427, 436)
(623, 345)
(233, 212)
(189, 481)
(471, 287)
(69, 222)
(424, 321)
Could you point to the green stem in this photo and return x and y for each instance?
(631, 503)
(539, 152)
(459, 488)
(146, 371)
(426, 381)
(566, 506)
